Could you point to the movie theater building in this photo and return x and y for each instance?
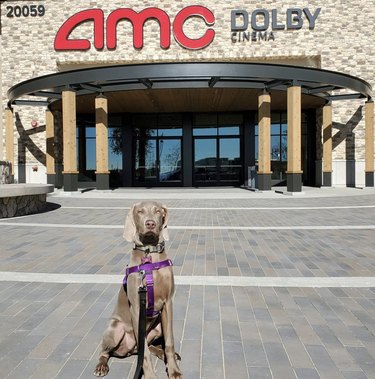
(125, 93)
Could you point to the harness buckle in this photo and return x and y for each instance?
(142, 275)
(159, 248)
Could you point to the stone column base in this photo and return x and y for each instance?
(102, 181)
(70, 182)
(51, 179)
(294, 182)
(369, 179)
(327, 179)
(264, 182)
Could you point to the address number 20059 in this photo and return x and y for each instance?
(26, 11)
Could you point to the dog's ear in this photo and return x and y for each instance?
(164, 229)
(129, 228)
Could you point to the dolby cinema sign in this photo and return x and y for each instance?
(261, 24)
(257, 25)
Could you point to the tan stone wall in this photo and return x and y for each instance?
(343, 40)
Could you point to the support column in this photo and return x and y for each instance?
(264, 150)
(294, 172)
(9, 140)
(50, 147)
(101, 118)
(327, 145)
(70, 173)
(369, 143)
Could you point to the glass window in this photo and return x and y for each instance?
(114, 149)
(229, 150)
(170, 160)
(229, 130)
(230, 163)
(90, 132)
(205, 156)
(170, 132)
(90, 154)
(275, 129)
(284, 148)
(145, 161)
(205, 131)
(284, 129)
(205, 151)
(217, 153)
(275, 148)
(145, 132)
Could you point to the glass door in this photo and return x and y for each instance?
(169, 163)
(205, 160)
(158, 162)
(230, 166)
(217, 149)
(146, 164)
(217, 161)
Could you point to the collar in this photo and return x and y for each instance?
(159, 248)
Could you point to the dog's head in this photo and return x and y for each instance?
(146, 223)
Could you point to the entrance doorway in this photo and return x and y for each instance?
(190, 149)
(157, 150)
(158, 162)
(217, 149)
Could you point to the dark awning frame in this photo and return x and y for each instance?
(313, 81)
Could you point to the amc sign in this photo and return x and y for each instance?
(105, 31)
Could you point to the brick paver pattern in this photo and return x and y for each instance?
(53, 330)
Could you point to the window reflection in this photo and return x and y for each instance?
(158, 147)
(279, 143)
(217, 153)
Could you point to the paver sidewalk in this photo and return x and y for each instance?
(53, 330)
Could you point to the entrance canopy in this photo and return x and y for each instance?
(322, 85)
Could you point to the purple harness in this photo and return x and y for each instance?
(146, 269)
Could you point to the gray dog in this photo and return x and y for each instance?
(146, 227)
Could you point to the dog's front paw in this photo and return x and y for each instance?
(174, 373)
(101, 369)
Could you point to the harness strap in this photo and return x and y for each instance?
(148, 269)
(150, 294)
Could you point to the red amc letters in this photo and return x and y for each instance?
(138, 19)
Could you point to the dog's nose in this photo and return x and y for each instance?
(150, 225)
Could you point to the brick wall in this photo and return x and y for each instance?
(343, 40)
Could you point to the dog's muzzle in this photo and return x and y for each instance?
(149, 238)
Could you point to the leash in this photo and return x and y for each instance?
(145, 291)
(142, 291)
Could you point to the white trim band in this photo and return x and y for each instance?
(221, 281)
(233, 208)
(194, 227)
